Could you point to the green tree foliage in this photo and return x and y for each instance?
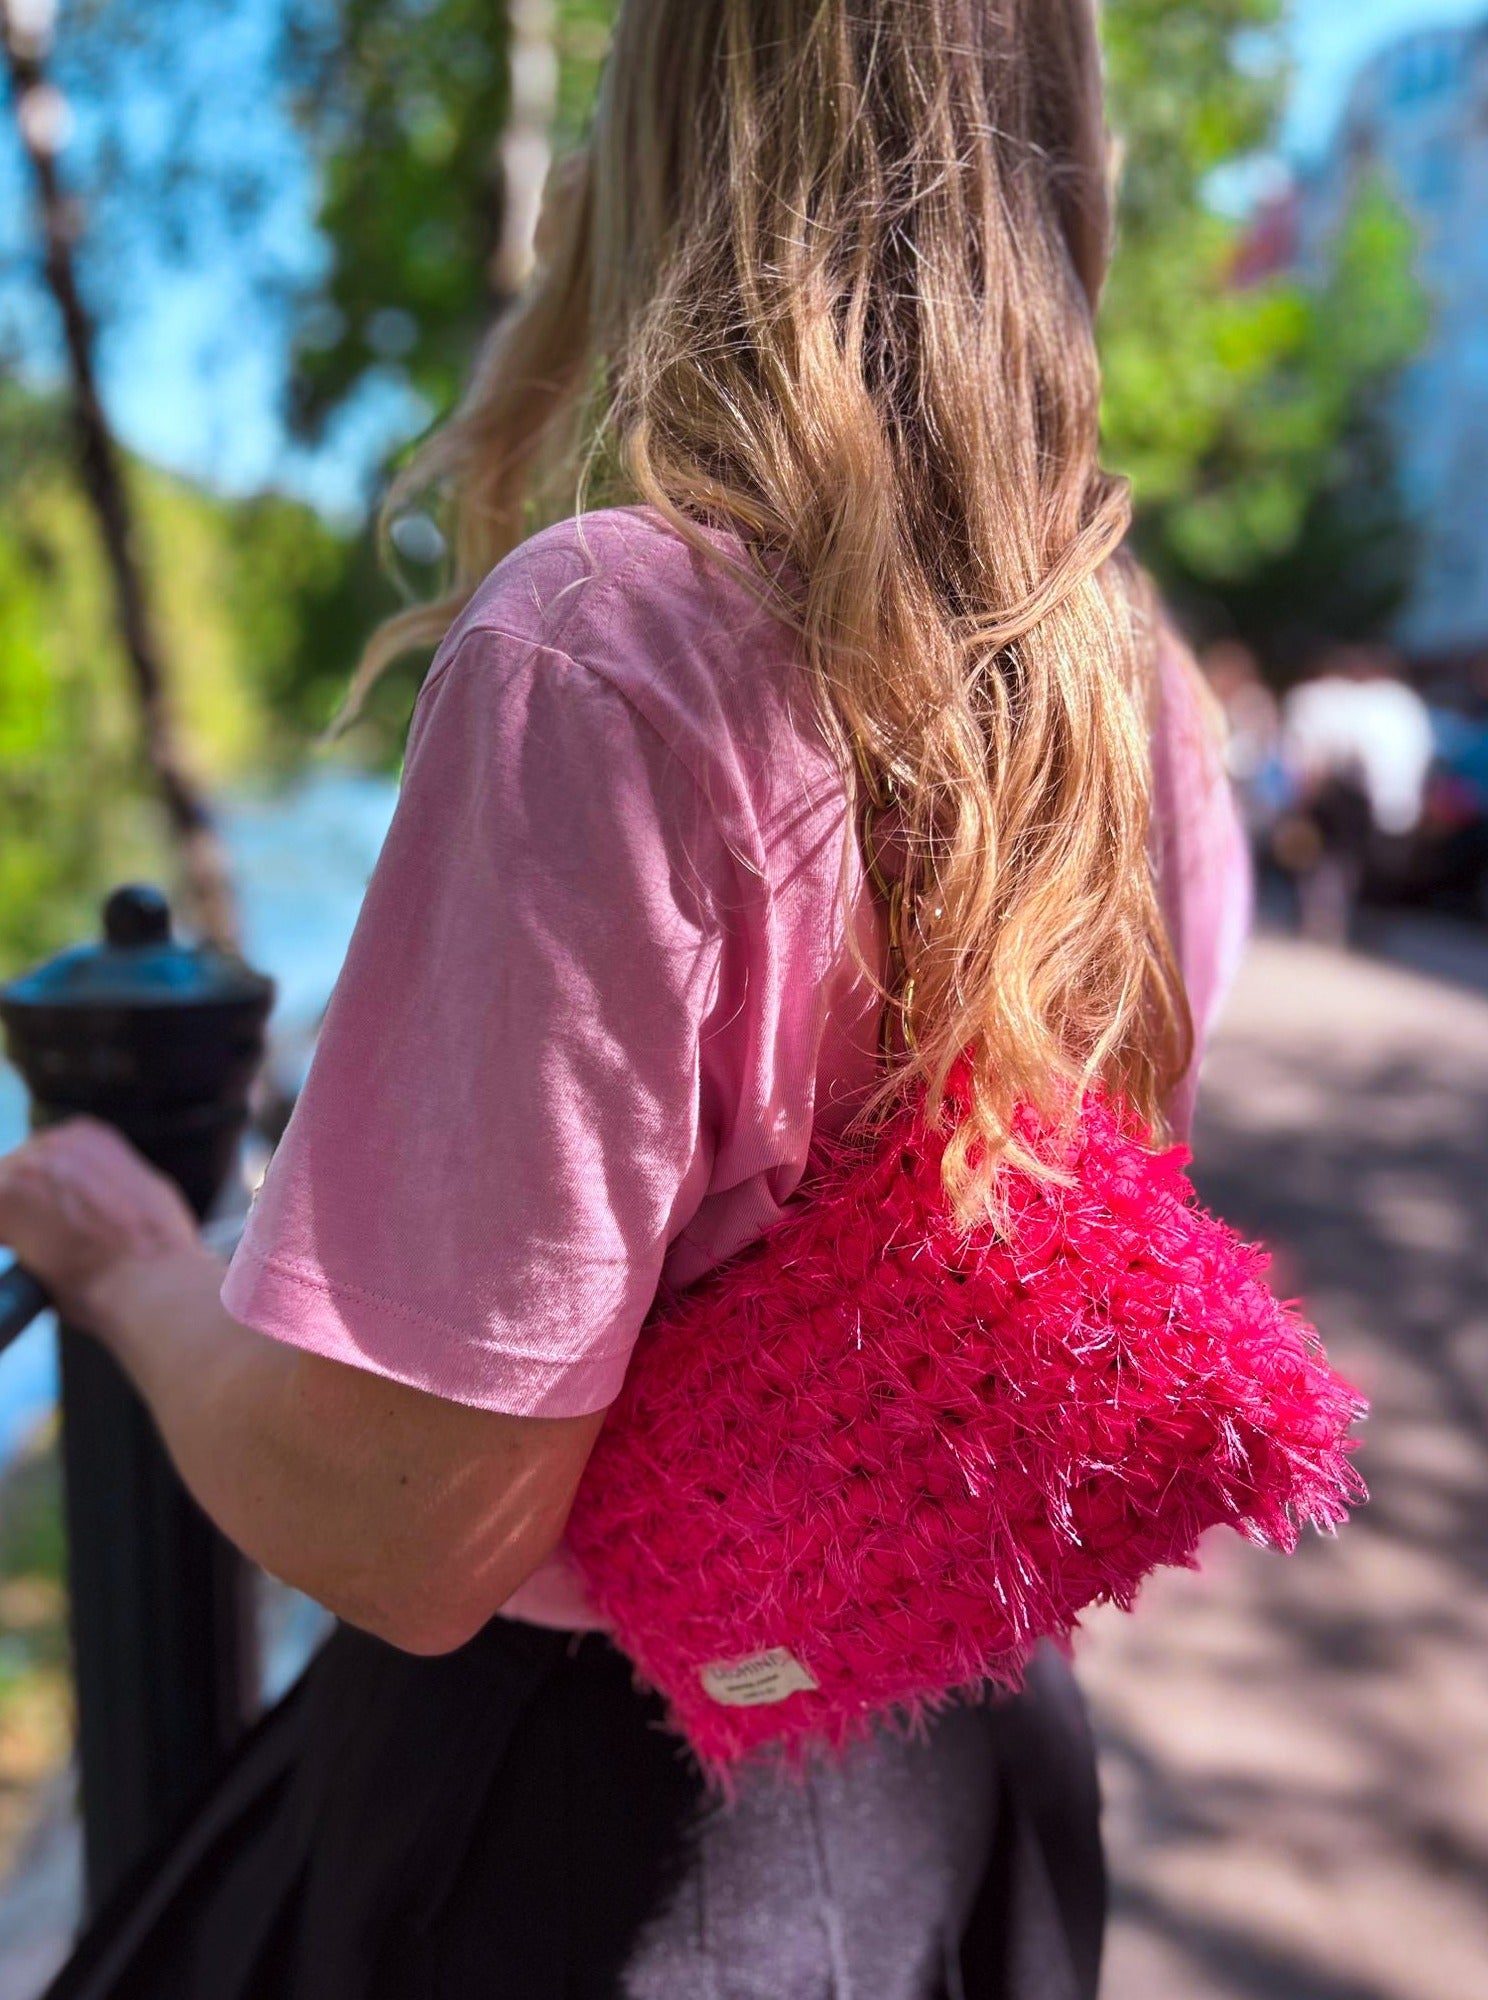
(1294, 531)
(261, 605)
(404, 118)
(70, 801)
(300, 597)
(1251, 418)
(406, 110)
(1173, 329)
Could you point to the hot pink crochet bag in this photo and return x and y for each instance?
(875, 1460)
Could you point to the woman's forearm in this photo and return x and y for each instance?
(233, 1410)
(408, 1515)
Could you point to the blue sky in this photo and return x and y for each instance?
(194, 369)
(1331, 38)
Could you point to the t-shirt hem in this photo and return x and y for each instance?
(339, 1324)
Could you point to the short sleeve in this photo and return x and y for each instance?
(502, 1128)
(1203, 863)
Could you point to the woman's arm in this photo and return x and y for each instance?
(501, 1132)
(411, 1516)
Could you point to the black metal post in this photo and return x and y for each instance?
(161, 1609)
(21, 1299)
(161, 1622)
(162, 1041)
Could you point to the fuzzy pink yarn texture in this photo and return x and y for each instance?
(877, 1459)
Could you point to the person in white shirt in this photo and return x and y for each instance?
(1359, 745)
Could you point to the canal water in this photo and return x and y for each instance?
(302, 859)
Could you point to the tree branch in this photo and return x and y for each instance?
(40, 114)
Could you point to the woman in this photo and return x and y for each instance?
(816, 307)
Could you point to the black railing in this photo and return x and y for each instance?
(161, 1041)
(160, 1609)
(21, 1301)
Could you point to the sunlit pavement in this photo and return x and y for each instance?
(1296, 1753)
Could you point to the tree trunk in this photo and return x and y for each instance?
(525, 151)
(40, 115)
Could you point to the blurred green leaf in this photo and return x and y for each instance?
(404, 119)
(1252, 419)
(262, 608)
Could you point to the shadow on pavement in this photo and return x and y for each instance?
(1296, 1753)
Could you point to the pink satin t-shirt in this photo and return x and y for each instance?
(602, 991)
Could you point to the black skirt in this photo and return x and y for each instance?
(506, 1821)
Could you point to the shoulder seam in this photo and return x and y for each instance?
(530, 647)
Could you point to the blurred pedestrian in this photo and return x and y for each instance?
(1359, 744)
(819, 298)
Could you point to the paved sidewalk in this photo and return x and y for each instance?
(39, 1902)
(1296, 1753)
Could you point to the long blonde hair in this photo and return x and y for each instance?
(826, 271)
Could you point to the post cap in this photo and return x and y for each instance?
(136, 914)
(137, 963)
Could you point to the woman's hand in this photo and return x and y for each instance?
(79, 1206)
(412, 1517)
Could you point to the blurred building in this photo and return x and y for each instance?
(1418, 113)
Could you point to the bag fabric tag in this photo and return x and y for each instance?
(757, 1681)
